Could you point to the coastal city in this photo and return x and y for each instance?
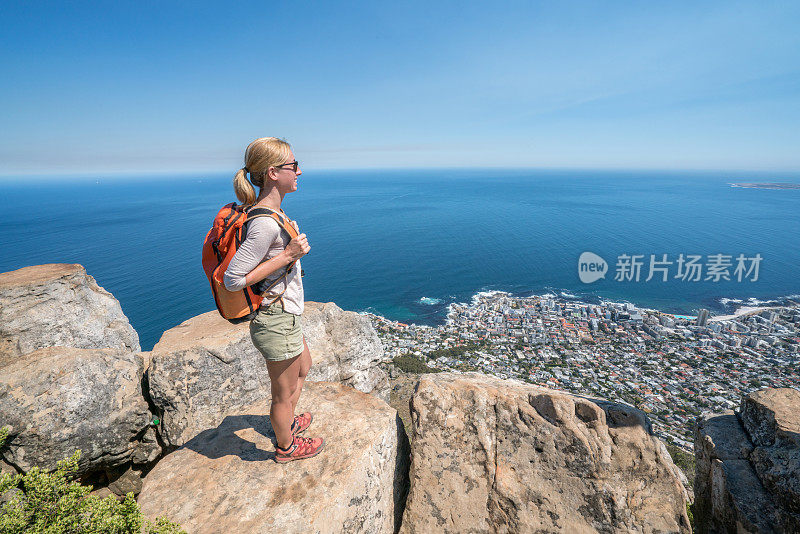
(672, 367)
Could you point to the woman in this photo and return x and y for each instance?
(261, 260)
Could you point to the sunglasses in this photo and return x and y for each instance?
(293, 165)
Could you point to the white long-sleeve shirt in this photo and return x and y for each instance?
(265, 239)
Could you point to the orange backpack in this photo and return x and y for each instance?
(226, 235)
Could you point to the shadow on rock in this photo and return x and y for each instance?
(223, 441)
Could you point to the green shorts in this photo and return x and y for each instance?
(276, 333)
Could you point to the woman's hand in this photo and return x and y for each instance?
(297, 247)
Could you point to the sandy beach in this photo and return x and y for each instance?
(744, 310)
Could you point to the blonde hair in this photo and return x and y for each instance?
(260, 155)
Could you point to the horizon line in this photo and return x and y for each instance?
(159, 172)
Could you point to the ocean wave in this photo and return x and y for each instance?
(482, 294)
(752, 301)
(490, 292)
(430, 301)
(753, 304)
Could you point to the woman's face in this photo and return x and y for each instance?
(286, 176)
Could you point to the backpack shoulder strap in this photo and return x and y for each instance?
(280, 218)
(283, 221)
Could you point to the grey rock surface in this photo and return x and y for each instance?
(60, 399)
(225, 479)
(748, 466)
(7, 468)
(206, 367)
(728, 494)
(147, 449)
(770, 417)
(349, 346)
(201, 370)
(11, 494)
(59, 305)
(123, 480)
(492, 455)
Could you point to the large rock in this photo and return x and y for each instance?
(347, 348)
(6, 468)
(124, 480)
(225, 479)
(59, 305)
(200, 371)
(748, 467)
(771, 418)
(491, 455)
(60, 399)
(206, 367)
(728, 494)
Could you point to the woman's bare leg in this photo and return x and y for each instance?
(283, 376)
(305, 365)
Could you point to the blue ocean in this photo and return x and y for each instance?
(405, 244)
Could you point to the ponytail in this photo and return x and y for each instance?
(243, 188)
(260, 155)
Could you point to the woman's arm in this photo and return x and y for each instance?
(265, 269)
(296, 249)
(246, 267)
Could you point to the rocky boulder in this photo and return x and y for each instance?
(346, 347)
(60, 399)
(225, 479)
(205, 368)
(200, 371)
(492, 455)
(748, 465)
(59, 305)
(6, 468)
(771, 418)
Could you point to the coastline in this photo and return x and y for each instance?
(740, 306)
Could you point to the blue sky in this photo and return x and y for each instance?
(168, 86)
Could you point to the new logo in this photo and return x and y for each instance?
(591, 267)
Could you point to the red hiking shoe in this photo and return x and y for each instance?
(300, 448)
(301, 422)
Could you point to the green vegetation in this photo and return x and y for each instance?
(50, 503)
(454, 352)
(461, 366)
(525, 367)
(684, 460)
(411, 364)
